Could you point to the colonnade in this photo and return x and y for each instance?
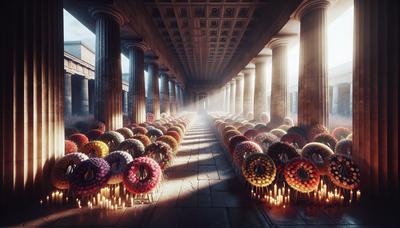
(374, 93)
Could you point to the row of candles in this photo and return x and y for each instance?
(55, 197)
(281, 196)
(110, 197)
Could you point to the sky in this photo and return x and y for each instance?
(74, 30)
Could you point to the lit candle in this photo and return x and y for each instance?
(41, 202)
(358, 194)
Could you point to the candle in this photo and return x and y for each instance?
(41, 202)
(358, 194)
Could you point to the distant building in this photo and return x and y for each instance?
(79, 75)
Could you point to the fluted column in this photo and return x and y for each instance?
(31, 99)
(239, 94)
(226, 99)
(248, 74)
(313, 80)
(335, 100)
(228, 96)
(279, 85)
(172, 96)
(233, 96)
(92, 95)
(108, 82)
(222, 95)
(260, 85)
(136, 96)
(376, 86)
(181, 96)
(178, 97)
(80, 95)
(153, 95)
(164, 92)
(125, 102)
(67, 94)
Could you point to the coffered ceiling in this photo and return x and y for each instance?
(205, 34)
(204, 42)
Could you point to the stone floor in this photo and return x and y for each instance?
(201, 190)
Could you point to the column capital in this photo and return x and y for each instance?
(309, 6)
(281, 40)
(249, 69)
(261, 58)
(135, 44)
(239, 76)
(109, 10)
(151, 59)
(163, 70)
(172, 78)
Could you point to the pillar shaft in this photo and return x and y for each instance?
(124, 102)
(67, 94)
(260, 86)
(233, 96)
(247, 91)
(92, 95)
(80, 95)
(108, 82)
(313, 80)
(279, 86)
(164, 93)
(376, 86)
(239, 95)
(335, 100)
(172, 97)
(177, 97)
(136, 96)
(153, 95)
(228, 97)
(31, 99)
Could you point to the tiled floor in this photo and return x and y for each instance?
(201, 190)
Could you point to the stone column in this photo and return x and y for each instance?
(260, 85)
(153, 95)
(125, 102)
(31, 99)
(108, 82)
(172, 96)
(239, 94)
(80, 95)
(376, 87)
(177, 106)
(313, 80)
(225, 98)
(67, 94)
(335, 99)
(248, 73)
(136, 96)
(279, 85)
(222, 97)
(91, 95)
(228, 96)
(232, 96)
(164, 92)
